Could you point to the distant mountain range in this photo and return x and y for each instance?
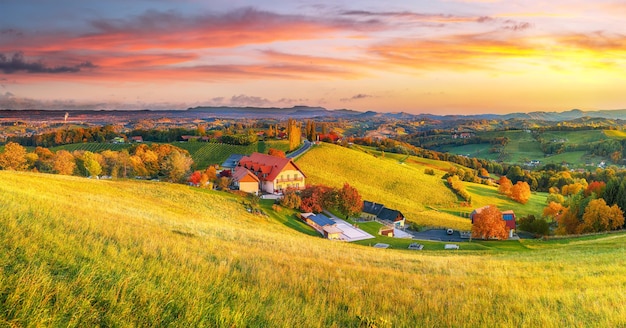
(312, 112)
(297, 112)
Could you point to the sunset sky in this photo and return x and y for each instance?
(444, 57)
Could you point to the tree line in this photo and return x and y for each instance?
(156, 161)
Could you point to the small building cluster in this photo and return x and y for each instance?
(323, 224)
(265, 173)
(373, 211)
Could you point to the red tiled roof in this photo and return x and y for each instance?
(242, 174)
(266, 164)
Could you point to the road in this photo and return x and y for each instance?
(438, 235)
(306, 146)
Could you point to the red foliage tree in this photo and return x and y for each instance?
(317, 197)
(489, 224)
(596, 187)
(349, 201)
(195, 178)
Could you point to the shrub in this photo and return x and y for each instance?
(429, 171)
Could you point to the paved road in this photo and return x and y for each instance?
(438, 235)
(306, 146)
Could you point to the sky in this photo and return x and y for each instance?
(439, 57)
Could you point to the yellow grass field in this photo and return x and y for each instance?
(405, 186)
(84, 253)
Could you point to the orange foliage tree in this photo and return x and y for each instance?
(505, 185)
(520, 192)
(599, 216)
(489, 224)
(276, 152)
(554, 210)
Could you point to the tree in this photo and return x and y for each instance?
(276, 152)
(534, 225)
(505, 185)
(600, 217)
(176, 165)
(63, 162)
(291, 199)
(349, 201)
(611, 191)
(223, 183)
(13, 157)
(596, 187)
(317, 197)
(91, 164)
(554, 210)
(489, 224)
(294, 134)
(195, 178)
(520, 192)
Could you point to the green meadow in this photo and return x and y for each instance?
(83, 253)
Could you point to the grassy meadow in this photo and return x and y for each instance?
(81, 253)
(398, 185)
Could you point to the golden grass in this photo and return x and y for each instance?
(615, 134)
(384, 180)
(79, 252)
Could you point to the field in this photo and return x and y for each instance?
(205, 154)
(80, 252)
(483, 195)
(93, 147)
(402, 186)
(522, 147)
(615, 134)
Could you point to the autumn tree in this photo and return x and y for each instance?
(599, 216)
(223, 183)
(489, 224)
(195, 178)
(349, 202)
(63, 162)
(520, 192)
(291, 199)
(13, 157)
(554, 210)
(176, 165)
(505, 186)
(276, 152)
(317, 197)
(596, 187)
(294, 134)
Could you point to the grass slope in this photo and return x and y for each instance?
(79, 252)
(384, 180)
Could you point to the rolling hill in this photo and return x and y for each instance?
(80, 252)
(399, 182)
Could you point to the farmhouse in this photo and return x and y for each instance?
(507, 216)
(136, 138)
(245, 180)
(323, 224)
(275, 173)
(374, 211)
